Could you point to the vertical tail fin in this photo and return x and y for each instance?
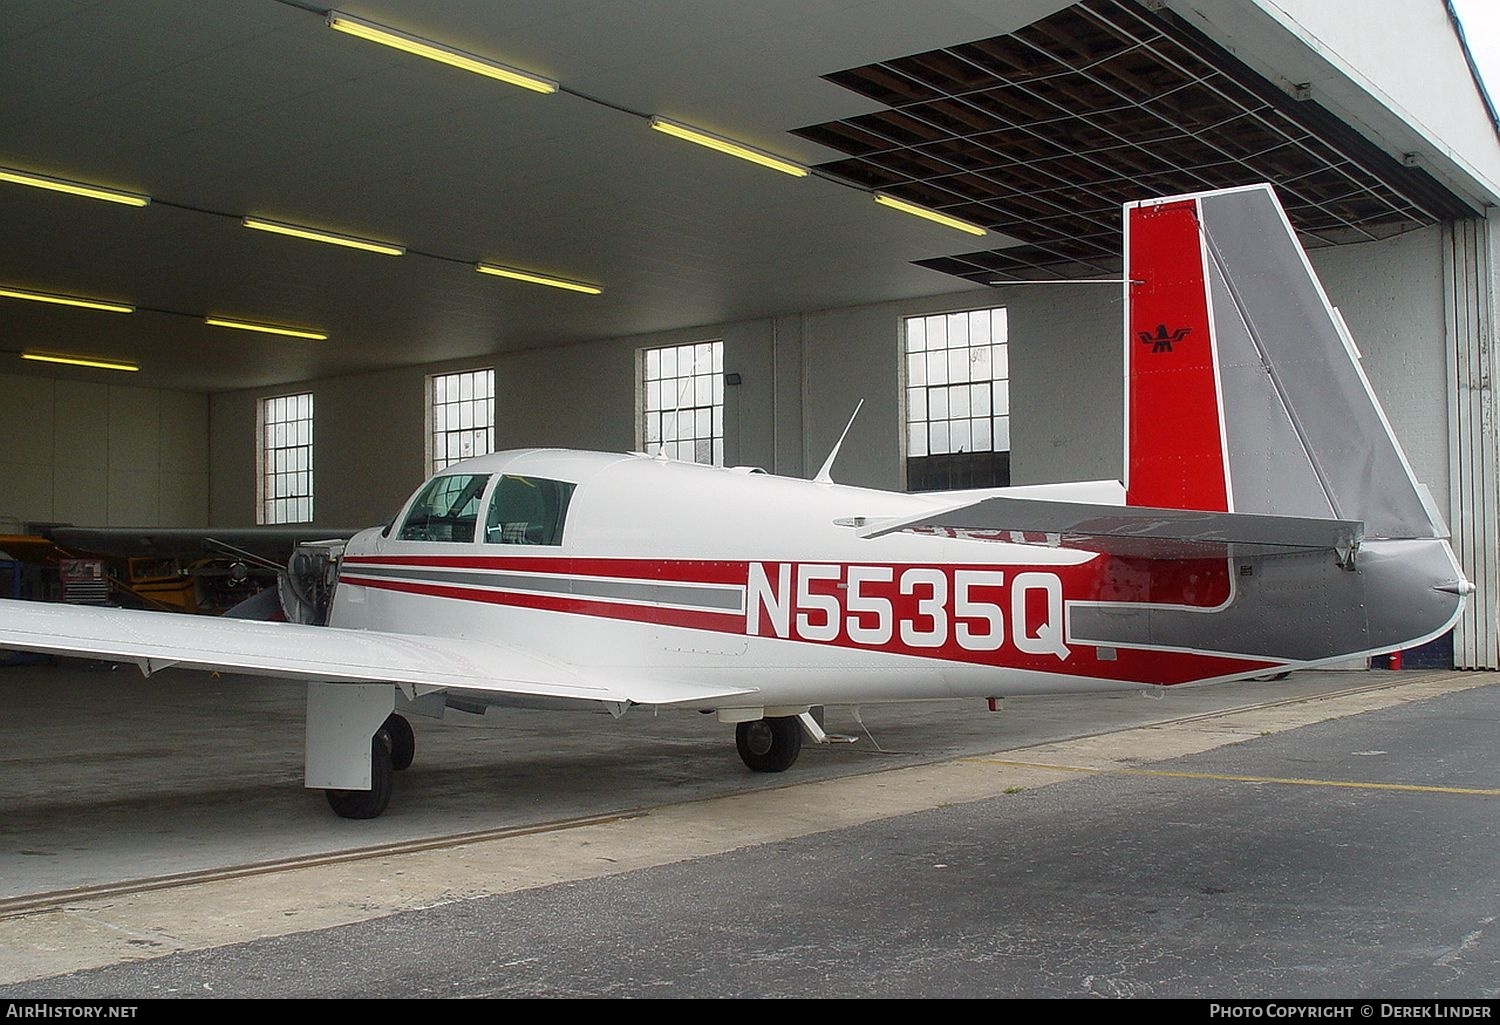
(1244, 392)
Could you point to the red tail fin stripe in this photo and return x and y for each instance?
(1174, 431)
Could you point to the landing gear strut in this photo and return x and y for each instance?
(769, 745)
(367, 804)
(391, 749)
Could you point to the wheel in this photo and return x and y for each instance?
(769, 745)
(400, 739)
(367, 804)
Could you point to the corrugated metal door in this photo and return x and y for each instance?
(1473, 458)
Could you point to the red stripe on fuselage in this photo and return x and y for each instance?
(822, 613)
(687, 571)
(719, 622)
(1175, 438)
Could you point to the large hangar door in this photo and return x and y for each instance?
(1473, 453)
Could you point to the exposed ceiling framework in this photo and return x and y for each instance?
(1042, 133)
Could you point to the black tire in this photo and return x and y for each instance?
(367, 804)
(769, 745)
(401, 741)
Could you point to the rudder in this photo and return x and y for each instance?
(1243, 390)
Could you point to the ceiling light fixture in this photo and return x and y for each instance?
(65, 300)
(43, 181)
(931, 215)
(82, 361)
(333, 238)
(538, 279)
(439, 52)
(723, 145)
(267, 329)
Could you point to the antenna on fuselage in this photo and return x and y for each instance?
(824, 475)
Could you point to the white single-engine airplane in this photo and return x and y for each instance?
(1268, 521)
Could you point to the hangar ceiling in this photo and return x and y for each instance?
(1043, 133)
(219, 111)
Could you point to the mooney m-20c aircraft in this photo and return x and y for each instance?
(1268, 521)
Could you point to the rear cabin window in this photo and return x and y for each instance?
(527, 511)
(446, 510)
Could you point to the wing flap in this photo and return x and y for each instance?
(1132, 531)
(154, 640)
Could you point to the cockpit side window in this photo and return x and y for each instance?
(446, 510)
(527, 511)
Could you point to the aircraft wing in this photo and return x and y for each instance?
(274, 544)
(1131, 531)
(153, 641)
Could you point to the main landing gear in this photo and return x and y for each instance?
(769, 745)
(392, 749)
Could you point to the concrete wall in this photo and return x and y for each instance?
(101, 454)
(802, 376)
(368, 447)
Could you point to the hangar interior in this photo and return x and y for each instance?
(1032, 119)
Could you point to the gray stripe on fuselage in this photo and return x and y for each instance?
(705, 596)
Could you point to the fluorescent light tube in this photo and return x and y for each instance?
(538, 279)
(65, 300)
(723, 145)
(333, 238)
(267, 329)
(439, 52)
(43, 181)
(82, 361)
(931, 215)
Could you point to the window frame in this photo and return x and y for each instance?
(715, 409)
(265, 459)
(430, 416)
(995, 381)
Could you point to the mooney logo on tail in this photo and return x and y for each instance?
(1162, 341)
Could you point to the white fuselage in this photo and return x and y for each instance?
(692, 573)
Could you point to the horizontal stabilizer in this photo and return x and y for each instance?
(323, 654)
(1133, 531)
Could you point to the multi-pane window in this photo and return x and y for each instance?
(682, 404)
(286, 459)
(461, 417)
(957, 400)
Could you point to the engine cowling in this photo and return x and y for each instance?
(306, 588)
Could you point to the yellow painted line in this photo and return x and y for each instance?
(1288, 781)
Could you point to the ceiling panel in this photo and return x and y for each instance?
(256, 107)
(1043, 133)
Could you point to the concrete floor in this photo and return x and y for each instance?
(108, 778)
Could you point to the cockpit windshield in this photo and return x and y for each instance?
(446, 510)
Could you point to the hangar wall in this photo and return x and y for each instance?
(100, 454)
(1066, 389)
